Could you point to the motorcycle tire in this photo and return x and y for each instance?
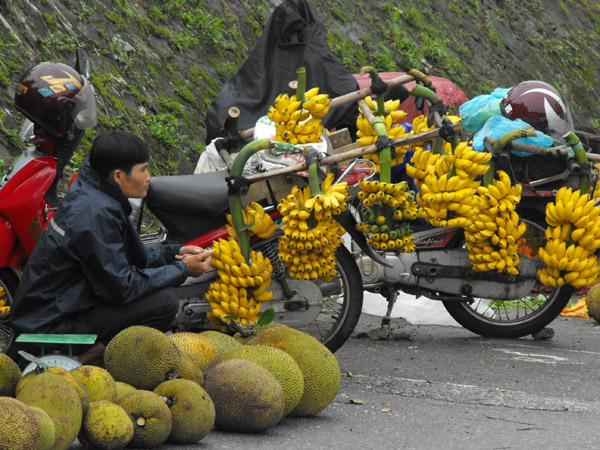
(341, 309)
(8, 286)
(520, 317)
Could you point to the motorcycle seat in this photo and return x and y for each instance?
(203, 194)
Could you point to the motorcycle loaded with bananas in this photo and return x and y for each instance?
(503, 258)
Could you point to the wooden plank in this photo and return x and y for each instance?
(340, 138)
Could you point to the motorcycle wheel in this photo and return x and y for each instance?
(342, 308)
(8, 287)
(519, 317)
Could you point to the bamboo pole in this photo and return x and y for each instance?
(347, 98)
(538, 150)
(350, 154)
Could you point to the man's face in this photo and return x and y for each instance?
(136, 184)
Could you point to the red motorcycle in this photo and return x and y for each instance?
(193, 209)
(28, 189)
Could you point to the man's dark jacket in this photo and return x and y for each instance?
(89, 254)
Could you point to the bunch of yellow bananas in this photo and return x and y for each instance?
(331, 200)
(299, 122)
(448, 200)
(420, 161)
(241, 286)
(258, 222)
(470, 163)
(310, 234)
(494, 233)
(367, 135)
(385, 209)
(419, 124)
(423, 158)
(4, 308)
(573, 235)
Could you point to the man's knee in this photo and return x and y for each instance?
(168, 301)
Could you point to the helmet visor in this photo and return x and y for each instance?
(559, 125)
(84, 113)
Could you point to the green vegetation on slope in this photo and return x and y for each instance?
(157, 65)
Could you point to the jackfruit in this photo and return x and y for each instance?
(593, 302)
(98, 382)
(122, 390)
(9, 376)
(142, 356)
(151, 417)
(47, 431)
(199, 347)
(276, 361)
(224, 341)
(190, 369)
(59, 399)
(19, 430)
(191, 407)
(322, 377)
(247, 397)
(80, 388)
(106, 426)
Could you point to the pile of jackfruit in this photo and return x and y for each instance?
(154, 388)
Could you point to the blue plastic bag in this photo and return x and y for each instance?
(478, 110)
(498, 126)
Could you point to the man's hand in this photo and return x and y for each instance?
(196, 259)
(190, 250)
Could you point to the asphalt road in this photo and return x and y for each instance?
(447, 388)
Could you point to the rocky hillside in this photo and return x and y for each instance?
(157, 64)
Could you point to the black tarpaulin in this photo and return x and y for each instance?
(291, 39)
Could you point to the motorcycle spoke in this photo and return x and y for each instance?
(508, 311)
(5, 335)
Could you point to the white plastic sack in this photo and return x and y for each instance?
(211, 161)
(265, 128)
(416, 311)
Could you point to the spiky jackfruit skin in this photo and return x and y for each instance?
(142, 356)
(98, 382)
(106, 426)
(192, 409)
(247, 397)
(223, 340)
(59, 399)
(191, 370)
(80, 388)
(122, 390)
(151, 417)
(322, 377)
(19, 430)
(593, 302)
(10, 374)
(276, 361)
(198, 347)
(47, 430)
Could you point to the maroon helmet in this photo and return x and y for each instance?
(540, 105)
(54, 96)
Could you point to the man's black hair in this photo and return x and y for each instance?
(117, 150)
